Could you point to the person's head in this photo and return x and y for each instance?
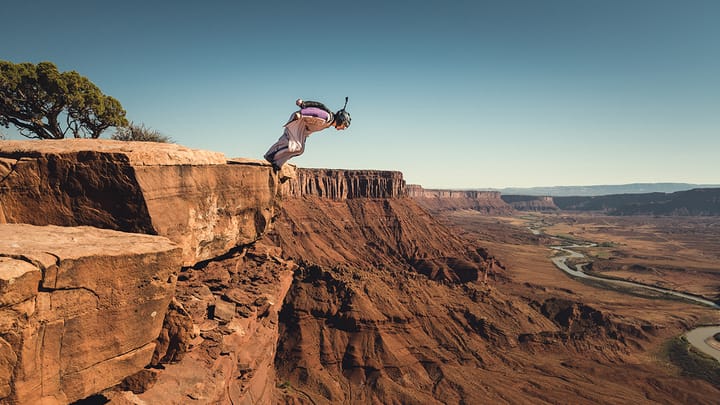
(342, 119)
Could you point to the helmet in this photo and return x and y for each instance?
(342, 117)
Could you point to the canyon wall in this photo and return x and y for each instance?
(104, 270)
(337, 184)
(530, 202)
(442, 200)
(223, 282)
(387, 305)
(214, 327)
(190, 196)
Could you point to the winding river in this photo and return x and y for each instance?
(698, 337)
(561, 263)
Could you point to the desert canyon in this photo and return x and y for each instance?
(144, 273)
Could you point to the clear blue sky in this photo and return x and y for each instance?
(455, 94)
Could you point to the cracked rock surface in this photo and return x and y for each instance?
(81, 308)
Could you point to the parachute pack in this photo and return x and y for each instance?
(318, 109)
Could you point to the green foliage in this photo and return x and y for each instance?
(134, 132)
(43, 103)
(691, 362)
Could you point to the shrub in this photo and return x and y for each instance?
(135, 132)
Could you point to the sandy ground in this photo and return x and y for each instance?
(679, 253)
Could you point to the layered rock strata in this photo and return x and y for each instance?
(80, 308)
(345, 184)
(530, 202)
(211, 208)
(191, 196)
(443, 200)
(232, 304)
(389, 306)
(386, 305)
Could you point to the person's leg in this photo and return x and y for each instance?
(288, 146)
(272, 154)
(282, 155)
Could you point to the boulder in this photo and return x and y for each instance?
(81, 308)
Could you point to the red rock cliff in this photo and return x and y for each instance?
(530, 203)
(80, 308)
(83, 308)
(441, 200)
(191, 196)
(354, 296)
(389, 306)
(345, 184)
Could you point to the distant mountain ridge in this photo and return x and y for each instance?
(696, 202)
(597, 190)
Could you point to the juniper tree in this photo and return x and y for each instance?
(43, 103)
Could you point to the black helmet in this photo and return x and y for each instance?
(342, 117)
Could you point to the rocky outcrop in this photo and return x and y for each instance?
(530, 203)
(386, 336)
(211, 208)
(359, 324)
(80, 308)
(443, 200)
(345, 184)
(222, 335)
(192, 197)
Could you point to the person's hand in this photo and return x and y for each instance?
(298, 102)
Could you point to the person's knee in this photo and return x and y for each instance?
(295, 146)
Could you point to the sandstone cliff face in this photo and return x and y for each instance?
(372, 233)
(80, 308)
(530, 203)
(52, 342)
(192, 197)
(345, 184)
(389, 306)
(443, 200)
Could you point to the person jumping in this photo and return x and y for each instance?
(312, 117)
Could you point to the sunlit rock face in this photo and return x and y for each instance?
(80, 308)
(443, 200)
(194, 197)
(338, 184)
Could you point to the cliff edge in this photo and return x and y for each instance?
(192, 197)
(97, 235)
